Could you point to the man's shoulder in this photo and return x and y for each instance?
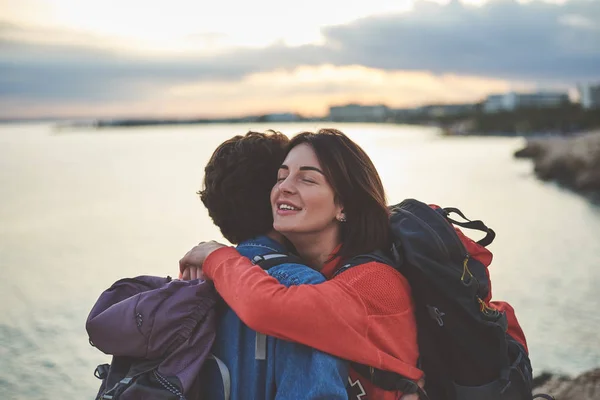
(258, 246)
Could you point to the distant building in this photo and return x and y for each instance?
(589, 96)
(495, 103)
(405, 113)
(282, 117)
(358, 113)
(513, 101)
(445, 110)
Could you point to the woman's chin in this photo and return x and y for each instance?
(284, 228)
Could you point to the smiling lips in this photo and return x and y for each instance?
(286, 208)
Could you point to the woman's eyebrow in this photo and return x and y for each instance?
(303, 168)
(309, 168)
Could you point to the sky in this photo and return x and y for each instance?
(192, 58)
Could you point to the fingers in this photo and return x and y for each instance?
(191, 273)
(183, 262)
(193, 259)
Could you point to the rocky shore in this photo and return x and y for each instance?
(584, 387)
(573, 162)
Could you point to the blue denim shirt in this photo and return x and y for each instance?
(290, 370)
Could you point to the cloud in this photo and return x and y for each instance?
(501, 38)
(71, 72)
(297, 89)
(536, 42)
(308, 90)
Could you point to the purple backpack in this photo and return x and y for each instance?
(159, 332)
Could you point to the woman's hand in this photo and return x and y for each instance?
(190, 266)
(191, 273)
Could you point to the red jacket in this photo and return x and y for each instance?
(365, 314)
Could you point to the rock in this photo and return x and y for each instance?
(584, 387)
(573, 162)
(534, 148)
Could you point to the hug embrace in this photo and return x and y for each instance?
(329, 293)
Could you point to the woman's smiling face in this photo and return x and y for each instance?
(303, 201)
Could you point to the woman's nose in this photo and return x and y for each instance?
(287, 185)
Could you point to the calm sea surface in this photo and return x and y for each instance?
(80, 209)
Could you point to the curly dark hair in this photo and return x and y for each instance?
(237, 184)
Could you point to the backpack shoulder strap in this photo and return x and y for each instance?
(377, 255)
(389, 381)
(269, 261)
(225, 377)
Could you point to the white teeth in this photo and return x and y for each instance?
(287, 207)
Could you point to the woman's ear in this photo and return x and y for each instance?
(341, 215)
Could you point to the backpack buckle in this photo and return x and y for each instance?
(101, 371)
(268, 261)
(115, 390)
(406, 386)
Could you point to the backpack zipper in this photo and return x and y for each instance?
(168, 385)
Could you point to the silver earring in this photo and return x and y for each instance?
(342, 218)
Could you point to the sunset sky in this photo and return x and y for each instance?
(185, 58)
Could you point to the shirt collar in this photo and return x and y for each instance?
(264, 241)
(331, 266)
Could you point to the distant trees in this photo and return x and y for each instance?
(564, 120)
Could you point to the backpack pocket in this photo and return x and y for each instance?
(514, 383)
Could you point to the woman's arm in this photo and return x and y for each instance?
(363, 315)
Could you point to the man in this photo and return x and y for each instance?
(237, 184)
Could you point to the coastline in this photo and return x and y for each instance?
(563, 120)
(572, 162)
(585, 386)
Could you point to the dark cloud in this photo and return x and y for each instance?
(535, 42)
(67, 72)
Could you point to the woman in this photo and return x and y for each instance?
(330, 204)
